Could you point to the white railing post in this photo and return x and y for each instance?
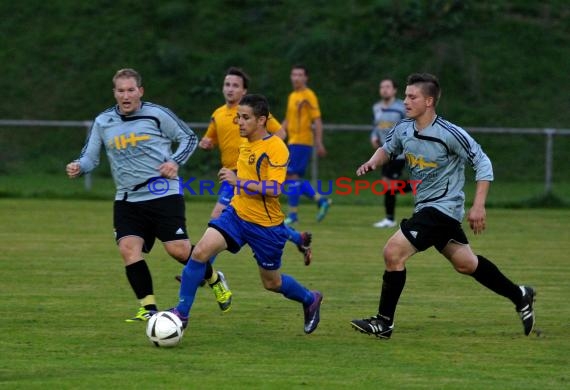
(548, 160)
(88, 179)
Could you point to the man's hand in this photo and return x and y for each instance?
(168, 169)
(228, 176)
(206, 143)
(73, 169)
(476, 217)
(321, 151)
(365, 168)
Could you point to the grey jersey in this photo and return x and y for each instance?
(386, 117)
(437, 157)
(136, 145)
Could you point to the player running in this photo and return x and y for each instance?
(254, 216)
(137, 136)
(436, 151)
(223, 131)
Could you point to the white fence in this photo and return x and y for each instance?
(548, 134)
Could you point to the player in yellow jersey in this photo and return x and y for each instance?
(223, 131)
(254, 216)
(303, 115)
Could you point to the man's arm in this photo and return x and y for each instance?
(318, 126)
(379, 158)
(477, 215)
(89, 157)
(263, 187)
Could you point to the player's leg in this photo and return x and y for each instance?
(267, 244)
(293, 192)
(460, 254)
(390, 171)
(303, 241)
(169, 214)
(134, 235)
(415, 234)
(211, 243)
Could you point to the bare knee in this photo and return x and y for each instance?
(394, 259)
(201, 252)
(130, 249)
(272, 285)
(467, 267)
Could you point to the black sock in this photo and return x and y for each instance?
(209, 271)
(390, 205)
(489, 276)
(392, 286)
(140, 279)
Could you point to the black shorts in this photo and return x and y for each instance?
(162, 218)
(430, 226)
(393, 169)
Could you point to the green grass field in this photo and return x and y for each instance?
(65, 295)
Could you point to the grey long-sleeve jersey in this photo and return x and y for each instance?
(136, 145)
(437, 157)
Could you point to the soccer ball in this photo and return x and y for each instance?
(164, 329)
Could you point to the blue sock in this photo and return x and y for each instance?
(293, 193)
(307, 189)
(294, 236)
(192, 275)
(293, 290)
(321, 201)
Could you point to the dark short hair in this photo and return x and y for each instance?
(234, 71)
(258, 103)
(128, 73)
(428, 83)
(390, 79)
(301, 66)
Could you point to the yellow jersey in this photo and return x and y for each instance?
(262, 160)
(302, 110)
(224, 132)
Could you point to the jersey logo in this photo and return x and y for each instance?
(122, 142)
(251, 159)
(419, 162)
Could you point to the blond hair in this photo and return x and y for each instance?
(128, 73)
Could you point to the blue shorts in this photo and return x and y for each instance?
(266, 242)
(225, 194)
(299, 157)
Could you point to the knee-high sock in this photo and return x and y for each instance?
(294, 236)
(140, 280)
(293, 192)
(307, 189)
(295, 291)
(489, 276)
(392, 286)
(192, 275)
(390, 205)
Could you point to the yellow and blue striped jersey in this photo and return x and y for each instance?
(302, 110)
(262, 160)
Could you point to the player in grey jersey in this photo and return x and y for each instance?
(436, 152)
(387, 112)
(137, 137)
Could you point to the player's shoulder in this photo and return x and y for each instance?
(448, 128)
(399, 103)
(107, 115)
(220, 110)
(310, 93)
(403, 124)
(153, 109)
